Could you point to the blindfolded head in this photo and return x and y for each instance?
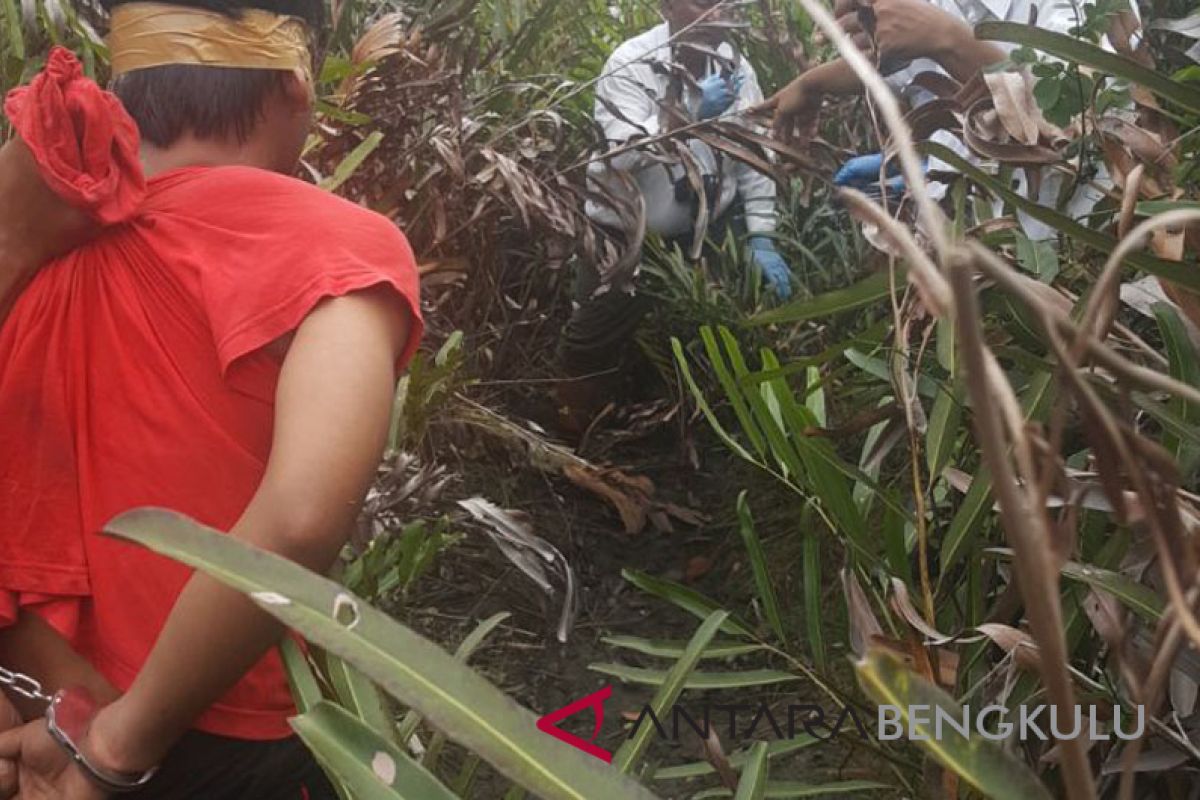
(217, 70)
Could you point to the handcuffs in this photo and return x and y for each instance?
(68, 718)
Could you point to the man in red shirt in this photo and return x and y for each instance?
(230, 352)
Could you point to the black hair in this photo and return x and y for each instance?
(209, 102)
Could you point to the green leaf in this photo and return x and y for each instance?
(697, 680)
(467, 647)
(982, 763)
(689, 600)
(733, 391)
(1046, 92)
(1183, 273)
(1184, 365)
(673, 648)
(866, 292)
(813, 611)
(967, 520)
(696, 769)
(878, 368)
(758, 565)
(453, 697)
(341, 114)
(16, 41)
(630, 753)
(370, 766)
(305, 690)
(702, 403)
(818, 463)
(784, 790)
(350, 164)
(753, 783)
(1172, 423)
(1150, 208)
(945, 423)
(814, 398)
(1140, 599)
(1036, 399)
(1040, 258)
(1085, 54)
(359, 696)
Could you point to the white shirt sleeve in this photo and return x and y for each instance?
(756, 189)
(627, 107)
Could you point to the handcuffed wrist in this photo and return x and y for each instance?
(70, 720)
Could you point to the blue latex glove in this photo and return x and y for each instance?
(774, 269)
(862, 171)
(717, 94)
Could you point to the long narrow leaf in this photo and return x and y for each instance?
(1139, 598)
(758, 565)
(630, 753)
(866, 292)
(350, 164)
(689, 600)
(358, 695)
(1184, 365)
(697, 680)
(673, 648)
(370, 766)
(732, 392)
(412, 720)
(995, 772)
(453, 697)
(813, 612)
(753, 783)
(787, 790)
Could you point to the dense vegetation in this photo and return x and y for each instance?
(986, 445)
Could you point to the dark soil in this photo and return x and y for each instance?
(474, 580)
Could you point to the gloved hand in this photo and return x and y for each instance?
(862, 173)
(718, 93)
(774, 269)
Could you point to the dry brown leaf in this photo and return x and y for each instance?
(904, 606)
(632, 510)
(1011, 640)
(1106, 617)
(864, 627)
(1014, 105)
(697, 567)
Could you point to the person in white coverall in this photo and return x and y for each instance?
(641, 95)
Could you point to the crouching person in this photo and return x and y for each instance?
(229, 352)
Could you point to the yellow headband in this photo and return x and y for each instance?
(146, 35)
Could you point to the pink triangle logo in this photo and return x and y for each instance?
(595, 701)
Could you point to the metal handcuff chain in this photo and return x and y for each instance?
(30, 688)
(22, 684)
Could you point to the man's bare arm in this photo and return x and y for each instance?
(908, 29)
(34, 648)
(331, 417)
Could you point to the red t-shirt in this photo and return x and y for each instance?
(132, 373)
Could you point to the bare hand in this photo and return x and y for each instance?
(44, 771)
(9, 718)
(797, 110)
(904, 29)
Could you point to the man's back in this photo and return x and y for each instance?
(133, 372)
